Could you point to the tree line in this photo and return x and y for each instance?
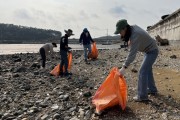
(16, 33)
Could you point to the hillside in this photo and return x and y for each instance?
(10, 33)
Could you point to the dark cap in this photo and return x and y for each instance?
(120, 25)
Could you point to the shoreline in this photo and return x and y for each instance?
(28, 92)
(34, 48)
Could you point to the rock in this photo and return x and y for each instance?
(43, 104)
(8, 116)
(55, 107)
(81, 112)
(67, 118)
(56, 116)
(164, 116)
(35, 65)
(16, 75)
(66, 97)
(74, 118)
(72, 109)
(24, 119)
(26, 87)
(36, 73)
(33, 95)
(134, 70)
(87, 94)
(15, 56)
(88, 115)
(17, 60)
(21, 69)
(2, 81)
(173, 56)
(44, 117)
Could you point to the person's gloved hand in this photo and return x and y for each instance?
(80, 43)
(122, 71)
(69, 48)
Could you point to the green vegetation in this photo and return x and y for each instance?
(10, 33)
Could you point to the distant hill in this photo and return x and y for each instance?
(10, 33)
(117, 37)
(100, 40)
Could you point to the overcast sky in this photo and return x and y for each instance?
(99, 16)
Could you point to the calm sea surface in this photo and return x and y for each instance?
(34, 48)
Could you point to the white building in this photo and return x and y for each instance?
(167, 28)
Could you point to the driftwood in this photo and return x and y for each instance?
(161, 42)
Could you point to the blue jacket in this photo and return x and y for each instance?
(85, 38)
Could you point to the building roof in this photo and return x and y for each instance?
(166, 18)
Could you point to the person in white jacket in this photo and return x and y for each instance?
(45, 50)
(139, 40)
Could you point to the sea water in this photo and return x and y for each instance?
(34, 48)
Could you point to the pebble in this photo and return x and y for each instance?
(29, 93)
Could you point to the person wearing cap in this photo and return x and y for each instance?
(45, 50)
(64, 52)
(86, 39)
(139, 40)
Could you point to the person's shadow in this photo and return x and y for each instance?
(116, 113)
(161, 103)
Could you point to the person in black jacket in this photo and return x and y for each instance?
(63, 52)
(86, 40)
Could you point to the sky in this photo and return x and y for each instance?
(98, 16)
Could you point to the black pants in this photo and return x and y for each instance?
(43, 56)
(64, 61)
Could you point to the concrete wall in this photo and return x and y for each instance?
(168, 28)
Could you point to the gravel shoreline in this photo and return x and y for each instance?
(30, 93)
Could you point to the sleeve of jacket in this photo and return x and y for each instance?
(66, 44)
(133, 50)
(81, 37)
(51, 48)
(91, 38)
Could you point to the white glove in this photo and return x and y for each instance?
(122, 71)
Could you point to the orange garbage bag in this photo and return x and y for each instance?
(113, 91)
(56, 69)
(94, 51)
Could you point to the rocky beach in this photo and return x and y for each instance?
(30, 93)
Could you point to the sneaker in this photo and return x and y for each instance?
(87, 61)
(137, 99)
(67, 74)
(42, 68)
(153, 93)
(61, 74)
(70, 73)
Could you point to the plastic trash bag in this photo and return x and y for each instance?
(113, 91)
(94, 51)
(56, 69)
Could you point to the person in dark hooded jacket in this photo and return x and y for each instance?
(86, 40)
